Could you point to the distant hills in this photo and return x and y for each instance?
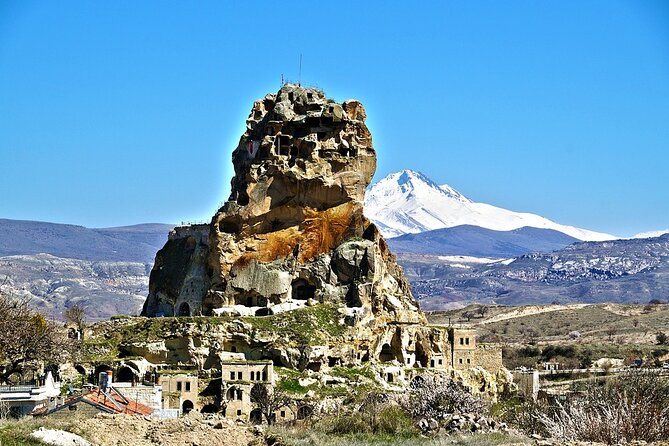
(619, 271)
(137, 243)
(56, 265)
(468, 240)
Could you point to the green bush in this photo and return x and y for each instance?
(394, 420)
(348, 424)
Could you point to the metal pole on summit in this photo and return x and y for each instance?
(299, 76)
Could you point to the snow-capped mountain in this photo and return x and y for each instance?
(409, 202)
(651, 234)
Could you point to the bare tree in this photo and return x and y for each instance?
(76, 315)
(269, 400)
(610, 332)
(482, 310)
(28, 338)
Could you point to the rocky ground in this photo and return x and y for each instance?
(130, 430)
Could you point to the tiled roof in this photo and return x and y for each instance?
(117, 403)
(110, 402)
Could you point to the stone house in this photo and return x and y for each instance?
(180, 391)
(239, 377)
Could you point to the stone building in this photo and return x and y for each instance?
(180, 391)
(239, 377)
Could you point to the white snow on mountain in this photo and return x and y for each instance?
(409, 202)
(650, 234)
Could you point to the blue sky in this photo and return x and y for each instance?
(115, 113)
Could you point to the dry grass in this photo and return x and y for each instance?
(301, 436)
(324, 230)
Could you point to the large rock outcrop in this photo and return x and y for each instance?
(293, 232)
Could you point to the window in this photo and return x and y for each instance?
(283, 414)
(467, 341)
(187, 386)
(179, 386)
(469, 361)
(233, 349)
(264, 376)
(462, 341)
(408, 360)
(232, 376)
(239, 394)
(432, 363)
(239, 412)
(441, 362)
(460, 360)
(253, 376)
(240, 376)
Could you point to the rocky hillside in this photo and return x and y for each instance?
(56, 265)
(54, 284)
(625, 271)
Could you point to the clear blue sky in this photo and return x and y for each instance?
(115, 113)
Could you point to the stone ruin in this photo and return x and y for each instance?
(293, 235)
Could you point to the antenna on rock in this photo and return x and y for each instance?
(299, 76)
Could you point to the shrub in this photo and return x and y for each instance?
(347, 424)
(435, 398)
(632, 407)
(393, 419)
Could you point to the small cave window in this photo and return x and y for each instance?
(314, 366)
(233, 349)
(389, 377)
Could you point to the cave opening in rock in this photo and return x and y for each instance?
(353, 297)
(302, 290)
(184, 309)
(264, 311)
(209, 408)
(386, 353)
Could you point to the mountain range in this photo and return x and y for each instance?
(56, 266)
(409, 202)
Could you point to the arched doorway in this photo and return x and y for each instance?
(184, 309)
(386, 353)
(125, 375)
(187, 406)
(256, 416)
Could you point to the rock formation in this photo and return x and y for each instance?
(293, 229)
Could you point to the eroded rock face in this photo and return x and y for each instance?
(293, 229)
